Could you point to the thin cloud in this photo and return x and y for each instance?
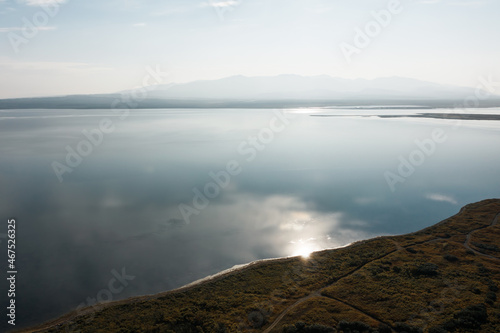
(441, 198)
(429, 2)
(174, 10)
(456, 3)
(51, 66)
(469, 3)
(42, 2)
(7, 10)
(320, 9)
(222, 4)
(139, 25)
(10, 29)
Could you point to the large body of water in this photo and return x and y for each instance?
(161, 198)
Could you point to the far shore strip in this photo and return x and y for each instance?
(453, 116)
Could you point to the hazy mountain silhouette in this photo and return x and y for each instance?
(268, 92)
(308, 87)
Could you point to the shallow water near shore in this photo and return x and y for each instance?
(151, 200)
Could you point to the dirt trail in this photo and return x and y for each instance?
(398, 248)
(318, 293)
(358, 309)
(469, 235)
(283, 314)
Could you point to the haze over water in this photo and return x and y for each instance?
(306, 183)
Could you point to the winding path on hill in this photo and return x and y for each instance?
(318, 293)
(469, 235)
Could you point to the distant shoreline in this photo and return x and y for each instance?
(112, 101)
(451, 116)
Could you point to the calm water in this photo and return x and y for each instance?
(170, 196)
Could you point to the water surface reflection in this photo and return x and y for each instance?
(317, 184)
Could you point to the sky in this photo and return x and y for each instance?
(59, 47)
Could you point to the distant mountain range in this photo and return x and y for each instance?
(269, 91)
(323, 87)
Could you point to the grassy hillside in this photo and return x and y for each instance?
(441, 279)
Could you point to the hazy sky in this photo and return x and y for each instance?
(90, 46)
